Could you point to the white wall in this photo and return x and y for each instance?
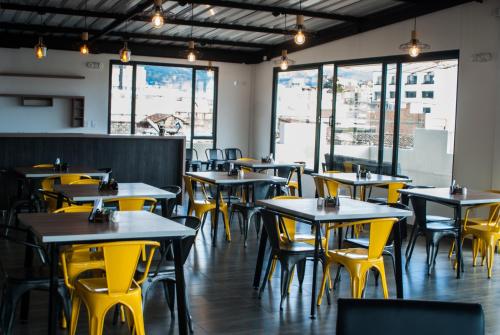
(471, 28)
(233, 100)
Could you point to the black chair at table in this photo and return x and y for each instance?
(193, 163)
(22, 278)
(287, 173)
(173, 202)
(290, 255)
(215, 159)
(163, 270)
(249, 210)
(408, 317)
(233, 154)
(434, 228)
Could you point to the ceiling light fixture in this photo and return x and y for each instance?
(191, 57)
(299, 37)
(84, 49)
(40, 49)
(210, 69)
(158, 18)
(284, 62)
(414, 47)
(125, 53)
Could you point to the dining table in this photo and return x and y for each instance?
(443, 196)
(306, 210)
(220, 178)
(259, 165)
(352, 179)
(62, 229)
(88, 193)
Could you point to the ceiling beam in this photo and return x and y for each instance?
(8, 40)
(138, 9)
(273, 9)
(141, 18)
(403, 12)
(39, 29)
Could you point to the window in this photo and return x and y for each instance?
(379, 80)
(390, 128)
(428, 94)
(411, 79)
(410, 94)
(145, 98)
(429, 78)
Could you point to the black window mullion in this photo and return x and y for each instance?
(332, 119)
(318, 119)
(382, 119)
(214, 108)
(397, 117)
(193, 103)
(274, 112)
(133, 100)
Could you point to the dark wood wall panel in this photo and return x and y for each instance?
(157, 161)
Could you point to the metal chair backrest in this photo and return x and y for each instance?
(233, 154)
(272, 228)
(214, 154)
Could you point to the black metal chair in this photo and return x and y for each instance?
(172, 203)
(409, 317)
(18, 280)
(290, 255)
(287, 173)
(434, 228)
(248, 210)
(193, 163)
(163, 270)
(233, 154)
(215, 159)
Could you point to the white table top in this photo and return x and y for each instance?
(351, 179)
(258, 164)
(472, 197)
(32, 172)
(125, 190)
(222, 178)
(69, 228)
(349, 209)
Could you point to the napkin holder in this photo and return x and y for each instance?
(332, 202)
(111, 185)
(100, 216)
(458, 190)
(232, 172)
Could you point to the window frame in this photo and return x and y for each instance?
(398, 60)
(194, 68)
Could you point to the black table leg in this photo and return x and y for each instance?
(299, 181)
(54, 257)
(216, 215)
(317, 241)
(180, 287)
(28, 263)
(397, 255)
(260, 258)
(458, 243)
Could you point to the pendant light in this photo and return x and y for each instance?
(125, 53)
(210, 69)
(158, 18)
(299, 37)
(284, 62)
(40, 48)
(84, 48)
(414, 47)
(191, 56)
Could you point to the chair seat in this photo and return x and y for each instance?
(298, 247)
(440, 225)
(483, 229)
(166, 266)
(350, 253)
(99, 285)
(437, 218)
(362, 242)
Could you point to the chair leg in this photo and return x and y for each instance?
(137, 313)
(323, 285)
(273, 267)
(266, 276)
(490, 255)
(412, 236)
(169, 289)
(411, 246)
(475, 250)
(285, 279)
(383, 279)
(301, 271)
(75, 312)
(292, 272)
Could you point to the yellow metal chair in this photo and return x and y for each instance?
(246, 159)
(293, 185)
(201, 207)
(67, 179)
(43, 166)
(358, 261)
(99, 294)
(348, 167)
(132, 203)
(86, 182)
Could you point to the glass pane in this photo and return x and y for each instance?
(427, 130)
(326, 114)
(357, 117)
(163, 98)
(200, 146)
(390, 100)
(121, 99)
(296, 116)
(204, 104)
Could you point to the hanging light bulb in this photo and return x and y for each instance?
(125, 53)
(84, 48)
(191, 57)
(284, 60)
(210, 69)
(158, 18)
(414, 47)
(299, 37)
(40, 49)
